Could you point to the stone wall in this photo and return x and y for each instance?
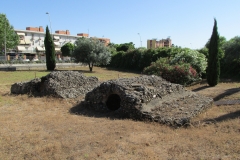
(147, 97)
(64, 84)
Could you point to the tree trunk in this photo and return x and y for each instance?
(90, 66)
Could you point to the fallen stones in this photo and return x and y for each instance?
(147, 97)
(64, 84)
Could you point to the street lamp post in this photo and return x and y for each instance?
(5, 45)
(140, 39)
(49, 21)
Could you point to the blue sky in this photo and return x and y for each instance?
(189, 23)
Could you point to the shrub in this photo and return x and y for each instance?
(179, 73)
(197, 60)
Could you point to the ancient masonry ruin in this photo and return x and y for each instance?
(144, 97)
(63, 84)
(148, 97)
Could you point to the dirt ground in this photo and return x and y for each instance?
(43, 128)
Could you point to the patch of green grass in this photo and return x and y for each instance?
(8, 77)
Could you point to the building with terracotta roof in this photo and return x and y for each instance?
(32, 41)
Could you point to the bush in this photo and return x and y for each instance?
(197, 60)
(179, 73)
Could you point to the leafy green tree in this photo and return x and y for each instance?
(50, 51)
(213, 69)
(12, 39)
(67, 49)
(113, 45)
(125, 47)
(232, 49)
(231, 62)
(222, 41)
(112, 48)
(91, 51)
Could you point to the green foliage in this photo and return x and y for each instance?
(113, 45)
(140, 58)
(50, 51)
(12, 39)
(230, 64)
(232, 48)
(197, 60)
(91, 51)
(125, 47)
(222, 41)
(213, 70)
(178, 65)
(146, 58)
(204, 51)
(176, 73)
(67, 49)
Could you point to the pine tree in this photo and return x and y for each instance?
(213, 69)
(50, 51)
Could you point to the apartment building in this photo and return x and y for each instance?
(154, 43)
(32, 42)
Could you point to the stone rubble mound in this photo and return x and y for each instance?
(147, 97)
(64, 84)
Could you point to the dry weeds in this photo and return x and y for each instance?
(43, 128)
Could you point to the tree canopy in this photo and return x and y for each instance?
(222, 41)
(12, 39)
(213, 69)
(231, 61)
(91, 51)
(67, 49)
(125, 46)
(232, 49)
(50, 51)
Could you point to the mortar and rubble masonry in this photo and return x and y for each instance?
(143, 98)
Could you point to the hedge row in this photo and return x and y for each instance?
(138, 59)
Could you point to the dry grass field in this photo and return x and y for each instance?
(43, 128)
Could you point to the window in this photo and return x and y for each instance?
(21, 37)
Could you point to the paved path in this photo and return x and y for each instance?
(34, 66)
(227, 102)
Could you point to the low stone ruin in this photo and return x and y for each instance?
(147, 97)
(144, 97)
(64, 84)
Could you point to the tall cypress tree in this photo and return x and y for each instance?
(50, 51)
(213, 69)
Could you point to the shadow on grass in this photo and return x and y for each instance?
(83, 109)
(227, 92)
(232, 115)
(123, 70)
(200, 88)
(82, 71)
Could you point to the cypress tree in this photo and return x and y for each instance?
(213, 69)
(49, 51)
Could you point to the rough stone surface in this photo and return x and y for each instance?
(147, 97)
(64, 84)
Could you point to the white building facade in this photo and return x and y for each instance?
(32, 42)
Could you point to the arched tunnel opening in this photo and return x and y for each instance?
(113, 102)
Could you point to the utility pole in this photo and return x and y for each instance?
(5, 49)
(50, 22)
(140, 39)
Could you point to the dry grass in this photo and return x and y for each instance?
(43, 128)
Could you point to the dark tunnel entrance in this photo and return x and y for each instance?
(113, 102)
